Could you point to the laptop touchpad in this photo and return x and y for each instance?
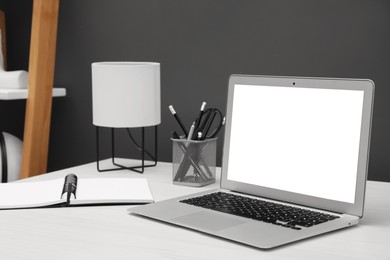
(207, 220)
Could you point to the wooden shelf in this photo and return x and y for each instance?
(13, 94)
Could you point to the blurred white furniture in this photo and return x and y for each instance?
(13, 94)
(40, 85)
(110, 232)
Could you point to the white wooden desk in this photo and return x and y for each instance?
(112, 233)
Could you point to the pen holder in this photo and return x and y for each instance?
(194, 162)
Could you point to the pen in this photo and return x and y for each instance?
(184, 168)
(175, 135)
(191, 131)
(184, 165)
(206, 119)
(208, 124)
(201, 114)
(178, 120)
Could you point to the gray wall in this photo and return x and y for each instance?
(199, 44)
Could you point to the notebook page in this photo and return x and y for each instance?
(31, 194)
(112, 190)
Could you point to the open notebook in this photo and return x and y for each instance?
(70, 190)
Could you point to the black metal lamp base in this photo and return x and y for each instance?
(140, 168)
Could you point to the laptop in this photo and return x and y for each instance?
(294, 166)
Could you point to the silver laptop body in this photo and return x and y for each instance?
(290, 140)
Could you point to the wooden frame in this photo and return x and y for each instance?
(41, 78)
(3, 39)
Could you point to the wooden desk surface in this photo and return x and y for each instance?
(110, 232)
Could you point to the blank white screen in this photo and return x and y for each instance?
(302, 140)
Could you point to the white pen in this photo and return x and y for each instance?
(191, 131)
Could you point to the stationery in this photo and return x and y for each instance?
(191, 149)
(191, 132)
(72, 191)
(178, 120)
(200, 114)
(202, 124)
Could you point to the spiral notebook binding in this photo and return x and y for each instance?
(70, 186)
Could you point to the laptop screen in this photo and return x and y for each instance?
(296, 139)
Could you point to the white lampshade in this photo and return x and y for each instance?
(126, 94)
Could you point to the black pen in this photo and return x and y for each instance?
(199, 119)
(207, 117)
(208, 124)
(178, 120)
(200, 114)
(175, 135)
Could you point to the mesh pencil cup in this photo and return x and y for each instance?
(194, 162)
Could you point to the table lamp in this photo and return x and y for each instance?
(126, 95)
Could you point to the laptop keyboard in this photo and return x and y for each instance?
(278, 214)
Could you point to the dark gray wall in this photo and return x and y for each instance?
(199, 44)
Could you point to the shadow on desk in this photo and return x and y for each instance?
(374, 218)
(376, 208)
